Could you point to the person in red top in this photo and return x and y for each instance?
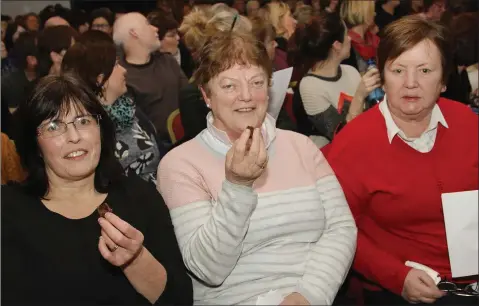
(394, 162)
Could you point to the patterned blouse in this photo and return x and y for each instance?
(137, 151)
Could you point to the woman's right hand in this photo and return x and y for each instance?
(244, 166)
(419, 287)
(369, 81)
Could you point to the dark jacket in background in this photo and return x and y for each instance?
(156, 87)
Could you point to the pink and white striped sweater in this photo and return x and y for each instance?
(292, 232)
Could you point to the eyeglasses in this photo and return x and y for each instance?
(451, 288)
(56, 128)
(100, 26)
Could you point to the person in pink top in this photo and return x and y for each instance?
(256, 210)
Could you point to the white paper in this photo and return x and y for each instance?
(273, 297)
(461, 220)
(278, 90)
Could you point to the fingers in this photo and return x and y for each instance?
(124, 227)
(427, 300)
(112, 246)
(240, 146)
(429, 288)
(255, 145)
(115, 235)
(103, 248)
(262, 158)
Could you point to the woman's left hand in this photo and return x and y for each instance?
(295, 299)
(120, 243)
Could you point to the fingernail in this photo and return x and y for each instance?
(99, 220)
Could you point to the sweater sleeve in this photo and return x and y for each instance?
(333, 254)
(160, 240)
(372, 262)
(210, 231)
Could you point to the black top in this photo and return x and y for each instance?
(193, 111)
(49, 259)
(16, 88)
(383, 18)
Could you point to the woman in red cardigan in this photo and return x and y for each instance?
(394, 162)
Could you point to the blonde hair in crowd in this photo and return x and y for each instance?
(357, 12)
(275, 12)
(200, 24)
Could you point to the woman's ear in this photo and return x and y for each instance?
(205, 97)
(337, 46)
(100, 78)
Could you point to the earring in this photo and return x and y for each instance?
(207, 105)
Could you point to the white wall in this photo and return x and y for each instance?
(20, 7)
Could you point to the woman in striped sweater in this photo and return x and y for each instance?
(255, 209)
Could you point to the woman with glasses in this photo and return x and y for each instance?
(78, 231)
(94, 60)
(102, 19)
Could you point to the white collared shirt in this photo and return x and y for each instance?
(423, 143)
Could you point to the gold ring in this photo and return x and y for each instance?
(115, 248)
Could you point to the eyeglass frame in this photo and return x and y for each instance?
(97, 118)
(467, 291)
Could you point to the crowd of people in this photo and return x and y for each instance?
(322, 204)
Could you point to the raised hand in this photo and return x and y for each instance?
(369, 81)
(120, 243)
(244, 162)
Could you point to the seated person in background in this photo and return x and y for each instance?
(94, 59)
(466, 54)
(359, 18)
(279, 15)
(433, 9)
(171, 42)
(56, 21)
(254, 208)
(385, 13)
(102, 19)
(412, 147)
(52, 45)
(156, 78)
(167, 33)
(19, 83)
(77, 231)
(332, 94)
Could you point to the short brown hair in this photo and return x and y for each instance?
(163, 22)
(403, 34)
(94, 54)
(223, 50)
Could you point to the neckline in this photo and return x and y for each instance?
(139, 65)
(93, 215)
(328, 79)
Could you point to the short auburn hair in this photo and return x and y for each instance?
(223, 50)
(405, 33)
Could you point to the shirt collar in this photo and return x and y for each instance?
(268, 130)
(392, 128)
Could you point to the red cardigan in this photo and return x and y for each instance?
(395, 191)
